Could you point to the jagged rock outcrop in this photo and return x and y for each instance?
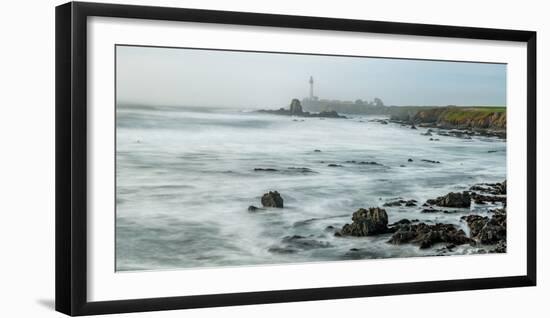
(487, 230)
(426, 235)
(452, 200)
(366, 222)
(272, 199)
(296, 107)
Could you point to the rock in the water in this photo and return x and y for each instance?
(410, 160)
(265, 169)
(295, 243)
(430, 161)
(253, 208)
(334, 165)
(401, 202)
(401, 222)
(296, 107)
(317, 150)
(367, 222)
(491, 188)
(487, 230)
(272, 199)
(452, 199)
(427, 235)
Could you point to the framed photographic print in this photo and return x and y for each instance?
(212, 158)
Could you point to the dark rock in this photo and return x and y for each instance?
(430, 161)
(487, 198)
(253, 208)
(265, 169)
(296, 107)
(301, 169)
(401, 202)
(490, 188)
(272, 199)
(426, 235)
(500, 248)
(413, 126)
(487, 230)
(429, 210)
(452, 199)
(401, 222)
(296, 243)
(316, 150)
(369, 163)
(402, 166)
(334, 165)
(367, 222)
(410, 160)
(282, 250)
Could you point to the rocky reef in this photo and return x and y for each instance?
(487, 233)
(295, 109)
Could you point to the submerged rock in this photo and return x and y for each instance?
(301, 169)
(453, 200)
(367, 222)
(253, 208)
(272, 199)
(295, 243)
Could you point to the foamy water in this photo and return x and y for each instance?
(185, 177)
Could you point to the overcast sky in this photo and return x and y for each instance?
(187, 77)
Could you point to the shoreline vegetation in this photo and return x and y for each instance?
(487, 231)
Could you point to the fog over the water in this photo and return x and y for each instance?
(188, 77)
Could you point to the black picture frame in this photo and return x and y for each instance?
(71, 157)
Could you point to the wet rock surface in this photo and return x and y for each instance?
(366, 222)
(426, 235)
(401, 202)
(487, 230)
(453, 200)
(272, 199)
(296, 243)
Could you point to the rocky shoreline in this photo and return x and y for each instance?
(486, 231)
(462, 122)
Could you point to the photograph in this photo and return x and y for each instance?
(230, 158)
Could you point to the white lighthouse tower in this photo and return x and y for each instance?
(311, 96)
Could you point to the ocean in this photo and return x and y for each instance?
(185, 177)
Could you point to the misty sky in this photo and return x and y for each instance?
(187, 77)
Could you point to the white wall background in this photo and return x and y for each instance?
(27, 158)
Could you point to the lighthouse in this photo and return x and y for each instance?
(311, 88)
